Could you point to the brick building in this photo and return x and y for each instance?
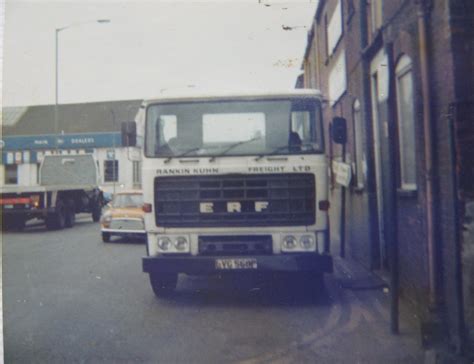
(401, 73)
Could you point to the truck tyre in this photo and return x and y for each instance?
(56, 220)
(96, 211)
(70, 218)
(163, 284)
(105, 237)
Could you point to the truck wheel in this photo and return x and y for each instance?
(56, 219)
(105, 237)
(96, 211)
(70, 218)
(163, 284)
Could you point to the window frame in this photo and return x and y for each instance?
(376, 15)
(6, 174)
(115, 176)
(359, 144)
(403, 68)
(137, 176)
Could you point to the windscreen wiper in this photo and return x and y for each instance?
(276, 150)
(167, 160)
(282, 147)
(232, 146)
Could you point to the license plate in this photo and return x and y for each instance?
(8, 206)
(240, 263)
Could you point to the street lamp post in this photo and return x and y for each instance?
(56, 96)
(113, 147)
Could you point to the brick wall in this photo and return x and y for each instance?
(451, 61)
(461, 117)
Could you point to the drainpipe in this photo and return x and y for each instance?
(423, 13)
(391, 201)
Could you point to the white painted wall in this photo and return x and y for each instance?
(125, 169)
(27, 174)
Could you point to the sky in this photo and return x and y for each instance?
(149, 47)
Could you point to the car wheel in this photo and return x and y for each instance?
(163, 284)
(106, 237)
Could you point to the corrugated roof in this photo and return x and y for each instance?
(72, 118)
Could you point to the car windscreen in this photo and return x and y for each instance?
(259, 127)
(128, 200)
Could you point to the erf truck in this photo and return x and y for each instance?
(233, 183)
(68, 185)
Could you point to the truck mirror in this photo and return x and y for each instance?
(339, 130)
(129, 134)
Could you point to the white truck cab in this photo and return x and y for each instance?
(232, 183)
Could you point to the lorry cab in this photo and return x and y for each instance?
(233, 182)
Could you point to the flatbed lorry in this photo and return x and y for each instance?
(68, 185)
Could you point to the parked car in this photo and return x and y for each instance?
(123, 216)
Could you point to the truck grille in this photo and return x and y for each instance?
(235, 245)
(235, 200)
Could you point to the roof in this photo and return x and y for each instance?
(232, 95)
(11, 115)
(93, 117)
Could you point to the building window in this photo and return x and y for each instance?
(376, 14)
(111, 171)
(337, 78)
(137, 172)
(406, 123)
(334, 29)
(11, 174)
(359, 143)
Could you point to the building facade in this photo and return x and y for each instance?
(30, 133)
(401, 73)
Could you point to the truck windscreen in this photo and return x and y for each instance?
(234, 128)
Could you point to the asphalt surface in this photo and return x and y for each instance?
(68, 297)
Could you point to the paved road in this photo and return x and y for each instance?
(68, 297)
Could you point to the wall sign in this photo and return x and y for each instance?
(68, 141)
(343, 173)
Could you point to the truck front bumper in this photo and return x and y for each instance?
(202, 265)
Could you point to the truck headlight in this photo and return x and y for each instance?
(307, 242)
(181, 243)
(289, 242)
(164, 243)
